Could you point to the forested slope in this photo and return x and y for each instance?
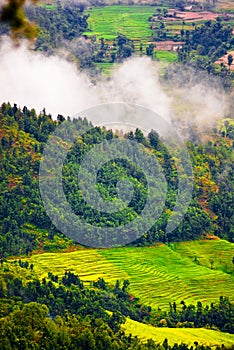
(25, 225)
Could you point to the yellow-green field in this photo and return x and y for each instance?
(190, 271)
(178, 335)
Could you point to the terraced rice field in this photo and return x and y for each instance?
(161, 275)
(219, 251)
(158, 275)
(132, 21)
(178, 335)
(88, 264)
(109, 21)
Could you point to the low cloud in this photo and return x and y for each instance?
(32, 79)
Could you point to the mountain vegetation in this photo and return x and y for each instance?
(23, 136)
(120, 298)
(62, 314)
(92, 36)
(159, 274)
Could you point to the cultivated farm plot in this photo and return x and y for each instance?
(167, 56)
(87, 263)
(132, 21)
(158, 275)
(216, 252)
(175, 27)
(188, 336)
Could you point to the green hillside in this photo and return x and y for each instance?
(178, 335)
(158, 275)
(25, 226)
(159, 287)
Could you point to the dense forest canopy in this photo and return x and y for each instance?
(23, 136)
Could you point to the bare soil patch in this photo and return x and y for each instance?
(168, 45)
(191, 16)
(224, 60)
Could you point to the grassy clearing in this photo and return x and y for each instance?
(158, 275)
(132, 21)
(167, 56)
(178, 335)
(107, 68)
